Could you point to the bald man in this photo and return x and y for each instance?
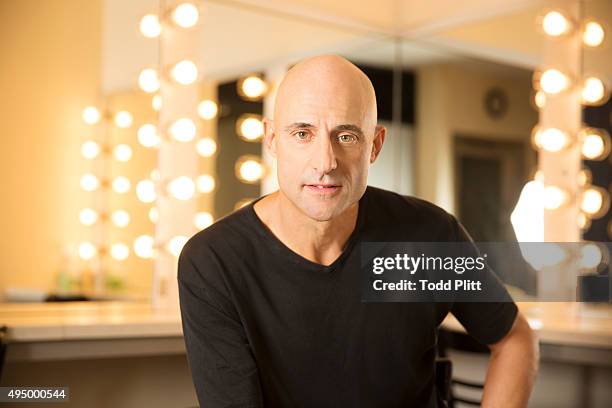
(270, 295)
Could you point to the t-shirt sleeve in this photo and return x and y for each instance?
(222, 365)
(487, 322)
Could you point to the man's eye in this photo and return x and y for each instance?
(301, 135)
(346, 138)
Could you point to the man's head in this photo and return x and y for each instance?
(324, 133)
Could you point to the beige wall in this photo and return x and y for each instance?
(50, 70)
(450, 102)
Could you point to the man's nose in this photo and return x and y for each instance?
(323, 157)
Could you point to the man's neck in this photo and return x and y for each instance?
(321, 242)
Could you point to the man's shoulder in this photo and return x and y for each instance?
(228, 232)
(410, 214)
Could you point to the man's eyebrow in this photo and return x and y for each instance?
(299, 125)
(350, 128)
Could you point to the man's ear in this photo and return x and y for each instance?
(379, 138)
(269, 136)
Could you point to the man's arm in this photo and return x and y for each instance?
(512, 368)
(220, 358)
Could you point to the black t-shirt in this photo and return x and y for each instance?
(265, 327)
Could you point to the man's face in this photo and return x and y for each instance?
(323, 139)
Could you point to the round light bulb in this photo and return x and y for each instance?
(175, 244)
(88, 216)
(182, 188)
(153, 215)
(156, 103)
(590, 256)
(540, 99)
(90, 149)
(584, 177)
(249, 127)
(551, 139)
(203, 220)
(593, 91)
(555, 24)
(185, 72)
(124, 119)
(594, 201)
(91, 115)
(89, 182)
(147, 136)
(206, 183)
(149, 26)
(593, 34)
(206, 147)
(185, 15)
(144, 246)
(145, 191)
(148, 80)
(593, 146)
(252, 87)
(584, 222)
(183, 130)
(207, 109)
(554, 197)
(554, 81)
(87, 250)
(122, 153)
(120, 218)
(119, 251)
(249, 170)
(121, 184)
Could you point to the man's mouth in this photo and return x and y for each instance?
(323, 188)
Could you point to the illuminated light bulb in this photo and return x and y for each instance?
(121, 185)
(206, 147)
(156, 103)
(540, 99)
(124, 119)
(155, 175)
(584, 222)
(595, 143)
(149, 26)
(147, 136)
(122, 153)
(593, 34)
(249, 169)
(594, 202)
(154, 215)
(207, 109)
(91, 115)
(185, 15)
(119, 251)
(584, 177)
(176, 244)
(87, 216)
(554, 81)
(590, 256)
(252, 87)
(183, 130)
(554, 197)
(555, 24)
(148, 80)
(203, 220)
(206, 183)
(185, 72)
(182, 188)
(250, 127)
(550, 139)
(120, 218)
(87, 250)
(144, 246)
(145, 191)
(89, 182)
(90, 149)
(242, 203)
(594, 91)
